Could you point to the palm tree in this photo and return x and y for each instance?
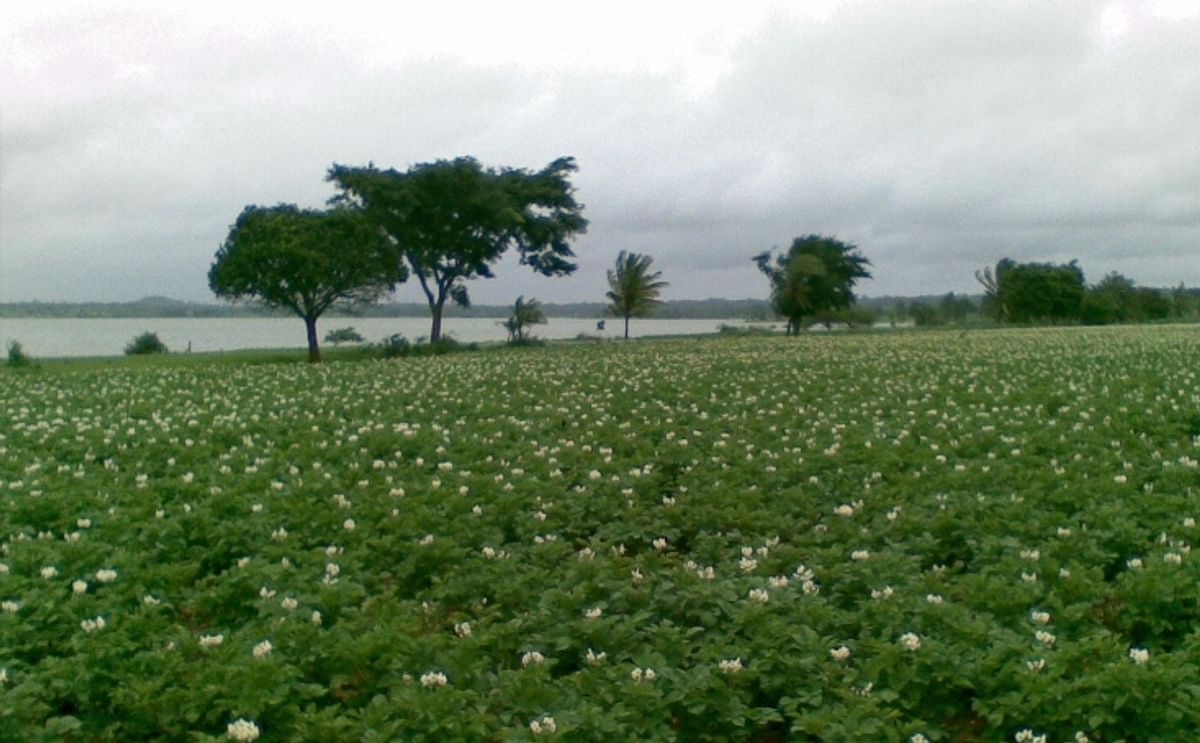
(633, 289)
(523, 315)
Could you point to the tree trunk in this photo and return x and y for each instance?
(627, 327)
(435, 332)
(314, 351)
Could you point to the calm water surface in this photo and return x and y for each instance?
(47, 338)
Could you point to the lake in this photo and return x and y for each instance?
(65, 337)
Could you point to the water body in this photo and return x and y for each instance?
(67, 337)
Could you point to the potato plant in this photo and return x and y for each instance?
(894, 537)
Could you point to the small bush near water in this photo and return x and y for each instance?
(146, 343)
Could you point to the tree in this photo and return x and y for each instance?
(304, 260)
(452, 220)
(344, 335)
(1044, 292)
(816, 274)
(995, 287)
(523, 315)
(632, 289)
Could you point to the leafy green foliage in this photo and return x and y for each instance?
(305, 261)
(343, 335)
(841, 537)
(633, 289)
(817, 274)
(1033, 292)
(452, 220)
(145, 343)
(16, 355)
(524, 314)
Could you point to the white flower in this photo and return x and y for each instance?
(462, 629)
(1046, 638)
(3, 676)
(79, 586)
(349, 525)
(49, 572)
(759, 595)
(1139, 655)
(544, 725)
(594, 613)
(1041, 617)
(860, 555)
(910, 641)
(1035, 665)
(433, 678)
(844, 510)
(594, 658)
(532, 658)
(211, 641)
(884, 593)
(289, 603)
(934, 598)
(918, 738)
(841, 653)
(149, 600)
(91, 625)
(642, 674)
(106, 575)
(747, 564)
(1173, 558)
(1029, 577)
(1134, 563)
(660, 544)
(315, 618)
(10, 607)
(243, 730)
(263, 649)
(730, 665)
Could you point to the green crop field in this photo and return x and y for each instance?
(947, 536)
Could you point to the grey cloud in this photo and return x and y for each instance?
(938, 136)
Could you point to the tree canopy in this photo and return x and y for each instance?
(633, 288)
(1033, 292)
(452, 220)
(816, 274)
(305, 261)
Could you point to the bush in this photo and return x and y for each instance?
(394, 346)
(343, 335)
(146, 343)
(17, 355)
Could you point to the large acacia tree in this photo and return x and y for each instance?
(452, 220)
(633, 288)
(816, 274)
(305, 261)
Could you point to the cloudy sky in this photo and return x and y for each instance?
(936, 136)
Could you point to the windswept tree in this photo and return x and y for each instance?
(995, 289)
(305, 261)
(524, 313)
(817, 274)
(452, 220)
(633, 289)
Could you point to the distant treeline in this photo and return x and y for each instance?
(701, 309)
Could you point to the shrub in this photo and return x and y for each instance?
(394, 346)
(146, 343)
(17, 355)
(343, 335)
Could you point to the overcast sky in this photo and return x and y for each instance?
(936, 136)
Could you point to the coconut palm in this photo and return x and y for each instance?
(523, 315)
(633, 289)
